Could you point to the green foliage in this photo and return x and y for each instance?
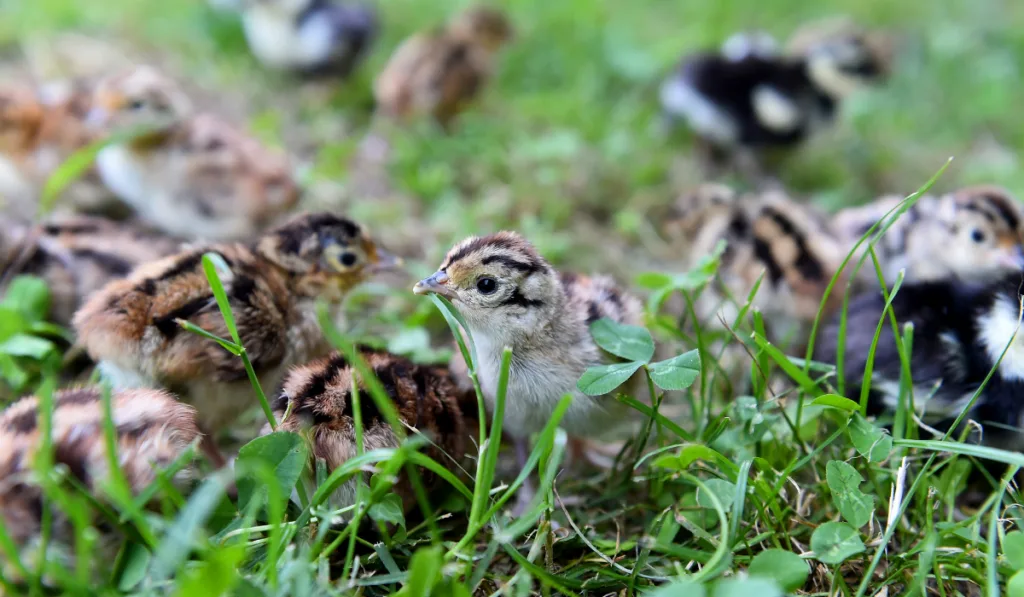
(28, 344)
(789, 570)
(835, 542)
(280, 456)
(844, 481)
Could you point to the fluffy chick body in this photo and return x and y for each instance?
(39, 130)
(78, 255)
(153, 430)
(131, 326)
(974, 233)
(194, 176)
(440, 72)
(760, 100)
(310, 37)
(544, 316)
(317, 398)
(960, 330)
(767, 235)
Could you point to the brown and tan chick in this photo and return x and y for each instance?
(153, 431)
(439, 73)
(40, 129)
(192, 175)
(78, 255)
(131, 327)
(768, 235)
(316, 400)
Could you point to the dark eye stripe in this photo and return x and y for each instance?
(517, 298)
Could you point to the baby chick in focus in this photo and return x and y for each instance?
(309, 37)
(131, 327)
(973, 234)
(439, 73)
(317, 398)
(960, 331)
(193, 176)
(76, 256)
(153, 431)
(510, 296)
(742, 104)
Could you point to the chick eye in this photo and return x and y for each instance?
(348, 259)
(486, 285)
(136, 105)
(978, 236)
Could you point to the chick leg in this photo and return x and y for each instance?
(527, 490)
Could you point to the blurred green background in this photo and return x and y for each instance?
(566, 145)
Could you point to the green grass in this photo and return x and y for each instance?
(798, 490)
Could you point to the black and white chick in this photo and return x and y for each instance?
(744, 101)
(309, 37)
(960, 330)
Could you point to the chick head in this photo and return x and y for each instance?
(692, 209)
(486, 25)
(978, 236)
(499, 283)
(842, 57)
(326, 254)
(140, 98)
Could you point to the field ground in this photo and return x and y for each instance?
(566, 147)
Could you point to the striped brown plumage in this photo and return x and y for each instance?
(131, 326)
(78, 255)
(318, 399)
(153, 431)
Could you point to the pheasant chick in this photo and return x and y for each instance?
(39, 130)
(315, 399)
(131, 326)
(972, 234)
(76, 256)
(440, 72)
(193, 176)
(510, 296)
(153, 431)
(743, 104)
(309, 37)
(961, 329)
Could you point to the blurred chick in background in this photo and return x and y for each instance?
(972, 234)
(76, 256)
(766, 234)
(193, 176)
(309, 37)
(152, 431)
(960, 331)
(40, 128)
(746, 100)
(316, 400)
(439, 73)
(131, 326)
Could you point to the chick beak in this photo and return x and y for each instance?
(385, 262)
(437, 284)
(1013, 259)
